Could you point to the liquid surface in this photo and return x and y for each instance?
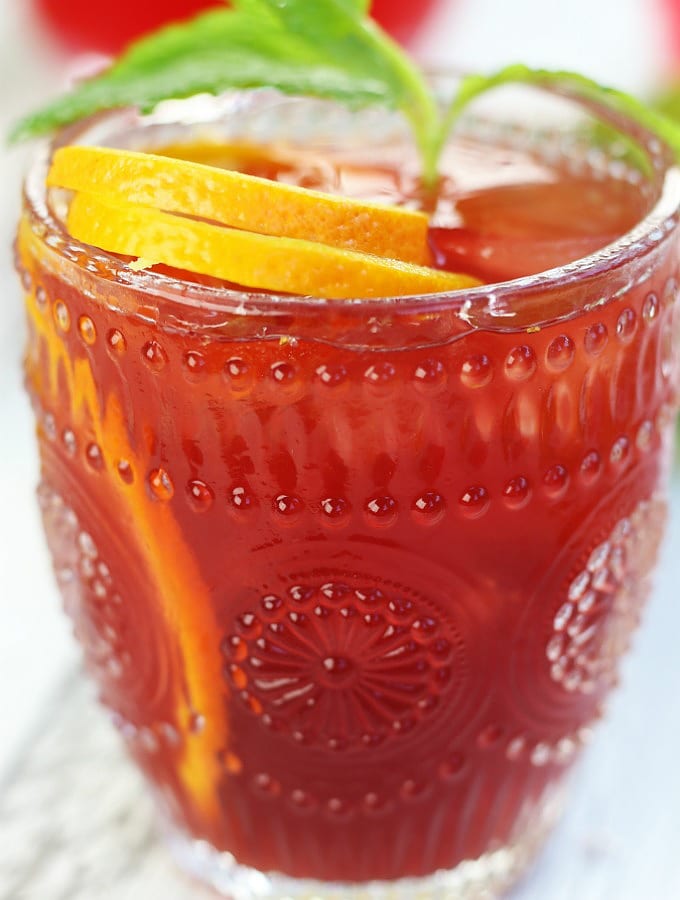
(354, 603)
(503, 215)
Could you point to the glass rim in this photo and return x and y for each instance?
(484, 303)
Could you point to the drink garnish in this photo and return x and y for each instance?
(328, 48)
(242, 201)
(258, 261)
(572, 85)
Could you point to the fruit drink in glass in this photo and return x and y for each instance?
(354, 577)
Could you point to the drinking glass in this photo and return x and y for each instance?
(354, 577)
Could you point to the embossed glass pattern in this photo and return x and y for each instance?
(353, 579)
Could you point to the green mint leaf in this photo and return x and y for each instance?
(354, 42)
(362, 6)
(571, 84)
(328, 49)
(668, 101)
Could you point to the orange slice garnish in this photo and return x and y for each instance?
(282, 264)
(242, 201)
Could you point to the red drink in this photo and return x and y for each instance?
(354, 578)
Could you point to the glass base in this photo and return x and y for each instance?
(480, 879)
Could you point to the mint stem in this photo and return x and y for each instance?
(413, 96)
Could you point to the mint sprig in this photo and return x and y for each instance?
(572, 85)
(330, 49)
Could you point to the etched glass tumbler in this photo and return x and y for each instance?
(354, 578)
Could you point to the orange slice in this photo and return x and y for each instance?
(257, 261)
(242, 201)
